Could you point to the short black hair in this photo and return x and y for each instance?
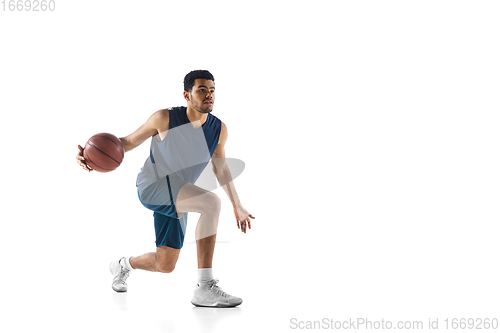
(193, 75)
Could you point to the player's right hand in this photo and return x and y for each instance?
(81, 160)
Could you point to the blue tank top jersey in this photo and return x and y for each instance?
(184, 152)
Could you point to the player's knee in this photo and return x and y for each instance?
(213, 203)
(210, 204)
(166, 266)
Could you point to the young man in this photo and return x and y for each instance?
(183, 140)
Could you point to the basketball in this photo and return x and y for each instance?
(103, 152)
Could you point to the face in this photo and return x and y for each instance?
(202, 96)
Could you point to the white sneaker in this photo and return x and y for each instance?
(120, 276)
(210, 295)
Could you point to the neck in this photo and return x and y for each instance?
(194, 115)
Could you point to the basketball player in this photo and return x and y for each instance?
(183, 140)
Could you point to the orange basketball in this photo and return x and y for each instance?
(104, 152)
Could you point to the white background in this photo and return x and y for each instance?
(369, 130)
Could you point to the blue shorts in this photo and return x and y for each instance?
(160, 197)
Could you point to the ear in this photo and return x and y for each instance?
(187, 96)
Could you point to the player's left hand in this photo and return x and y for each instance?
(243, 218)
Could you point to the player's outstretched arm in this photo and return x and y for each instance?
(225, 179)
(156, 121)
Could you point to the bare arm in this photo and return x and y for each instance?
(152, 126)
(225, 179)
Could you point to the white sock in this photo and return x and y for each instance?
(126, 263)
(204, 275)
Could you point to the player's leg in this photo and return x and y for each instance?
(205, 251)
(192, 198)
(169, 236)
